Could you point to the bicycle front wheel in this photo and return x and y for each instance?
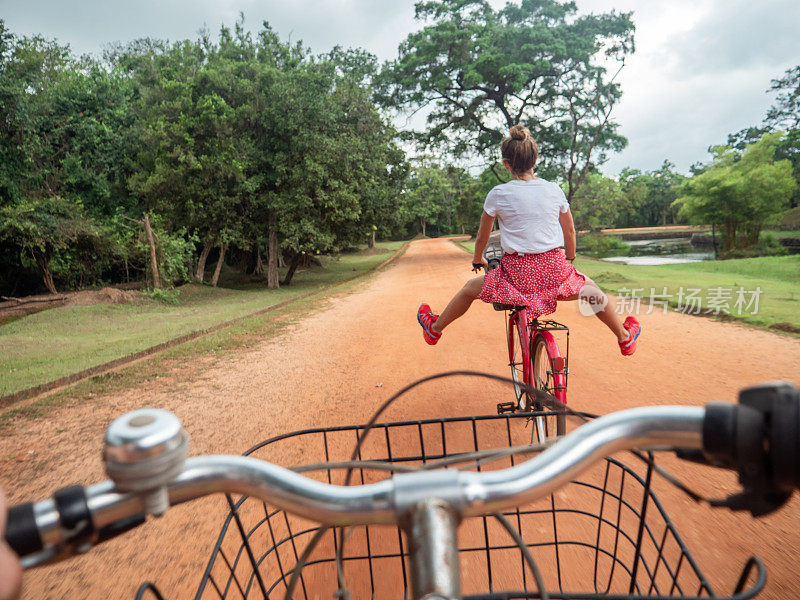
(545, 378)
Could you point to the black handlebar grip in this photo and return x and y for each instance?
(719, 432)
(759, 439)
(779, 403)
(22, 534)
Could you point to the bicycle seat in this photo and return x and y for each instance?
(499, 306)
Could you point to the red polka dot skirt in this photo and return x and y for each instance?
(533, 280)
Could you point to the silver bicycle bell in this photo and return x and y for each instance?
(145, 450)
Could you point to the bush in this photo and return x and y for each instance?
(175, 253)
(769, 244)
(598, 243)
(165, 295)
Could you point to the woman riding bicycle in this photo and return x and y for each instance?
(535, 220)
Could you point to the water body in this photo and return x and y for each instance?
(662, 252)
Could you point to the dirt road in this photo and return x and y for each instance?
(335, 365)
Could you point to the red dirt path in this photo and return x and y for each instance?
(338, 363)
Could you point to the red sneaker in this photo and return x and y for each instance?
(426, 318)
(628, 346)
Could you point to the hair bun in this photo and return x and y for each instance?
(520, 132)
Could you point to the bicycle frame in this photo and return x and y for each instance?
(531, 331)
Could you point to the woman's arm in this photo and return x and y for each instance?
(482, 238)
(568, 227)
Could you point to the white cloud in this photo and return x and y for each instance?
(700, 70)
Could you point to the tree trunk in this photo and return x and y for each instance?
(752, 233)
(730, 236)
(272, 254)
(371, 241)
(292, 268)
(48, 279)
(201, 263)
(218, 268)
(423, 227)
(43, 262)
(714, 239)
(244, 259)
(153, 261)
(281, 261)
(259, 269)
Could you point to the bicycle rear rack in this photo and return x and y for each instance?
(547, 325)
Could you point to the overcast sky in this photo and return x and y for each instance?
(700, 71)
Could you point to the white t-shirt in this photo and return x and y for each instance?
(527, 213)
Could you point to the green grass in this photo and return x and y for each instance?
(180, 363)
(54, 343)
(787, 234)
(777, 276)
(657, 229)
(467, 246)
(791, 216)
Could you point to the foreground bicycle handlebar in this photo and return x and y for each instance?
(145, 457)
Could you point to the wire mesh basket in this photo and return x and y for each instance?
(605, 535)
(493, 253)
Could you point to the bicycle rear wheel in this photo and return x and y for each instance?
(519, 360)
(544, 377)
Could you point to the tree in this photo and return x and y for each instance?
(739, 192)
(599, 203)
(44, 227)
(325, 169)
(429, 194)
(190, 160)
(785, 113)
(650, 196)
(60, 124)
(535, 62)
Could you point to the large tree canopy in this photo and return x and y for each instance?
(479, 71)
(740, 192)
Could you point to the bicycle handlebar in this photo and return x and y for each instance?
(76, 517)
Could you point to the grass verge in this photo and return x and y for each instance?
(181, 362)
(58, 342)
(778, 277)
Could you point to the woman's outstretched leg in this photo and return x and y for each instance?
(433, 325)
(459, 304)
(626, 331)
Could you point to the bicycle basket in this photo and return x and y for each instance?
(604, 535)
(493, 253)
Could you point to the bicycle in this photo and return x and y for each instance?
(533, 356)
(631, 551)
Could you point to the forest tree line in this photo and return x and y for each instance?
(243, 149)
(244, 146)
